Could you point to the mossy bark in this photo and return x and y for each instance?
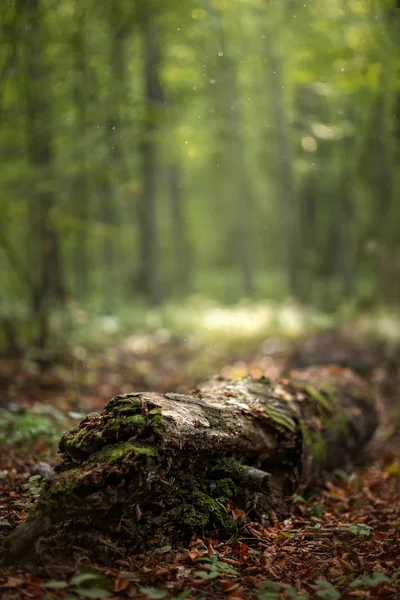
(150, 469)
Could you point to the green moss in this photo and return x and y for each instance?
(122, 411)
(59, 492)
(317, 396)
(124, 404)
(329, 390)
(81, 438)
(314, 440)
(115, 453)
(224, 488)
(281, 417)
(157, 422)
(215, 418)
(207, 511)
(230, 468)
(133, 422)
(342, 423)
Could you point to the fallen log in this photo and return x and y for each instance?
(334, 347)
(150, 469)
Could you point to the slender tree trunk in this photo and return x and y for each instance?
(344, 248)
(232, 111)
(108, 266)
(284, 164)
(179, 229)
(81, 192)
(51, 289)
(149, 279)
(118, 99)
(114, 171)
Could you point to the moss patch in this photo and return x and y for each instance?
(116, 453)
(156, 422)
(281, 417)
(318, 397)
(314, 440)
(205, 511)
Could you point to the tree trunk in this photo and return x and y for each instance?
(179, 229)
(108, 266)
(151, 469)
(148, 279)
(284, 164)
(80, 189)
(51, 287)
(231, 110)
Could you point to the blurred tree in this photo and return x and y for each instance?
(81, 187)
(149, 279)
(50, 287)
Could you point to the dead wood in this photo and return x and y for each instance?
(150, 469)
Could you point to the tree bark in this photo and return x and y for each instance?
(151, 469)
(40, 146)
(148, 279)
(180, 238)
(284, 164)
(80, 188)
(231, 111)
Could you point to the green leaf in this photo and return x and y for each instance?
(85, 577)
(287, 534)
(357, 583)
(395, 575)
(377, 577)
(182, 595)
(298, 499)
(317, 510)
(225, 568)
(268, 591)
(5, 524)
(93, 593)
(326, 591)
(153, 593)
(55, 585)
(207, 574)
(370, 580)
(293, 594)
(361, 529)
(342, 474)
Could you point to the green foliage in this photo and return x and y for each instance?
(238, 206)
(326, 591)
(159, 594)
(297, 499)
(376, 578)
(153, 593)
(19, 426)
(35, 483)
(215, 568)
(268, 590)
(22, 428)
(361, 529)
(293, 594)
(342, 474)
(317, 510)
(85, 584)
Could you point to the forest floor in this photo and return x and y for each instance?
(342, 542)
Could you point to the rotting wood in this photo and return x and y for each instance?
(150, 469)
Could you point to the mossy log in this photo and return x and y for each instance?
(150, 469)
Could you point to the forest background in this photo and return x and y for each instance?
(217, 151)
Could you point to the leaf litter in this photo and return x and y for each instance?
(342, 542)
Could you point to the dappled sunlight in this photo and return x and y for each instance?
(238, 320)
